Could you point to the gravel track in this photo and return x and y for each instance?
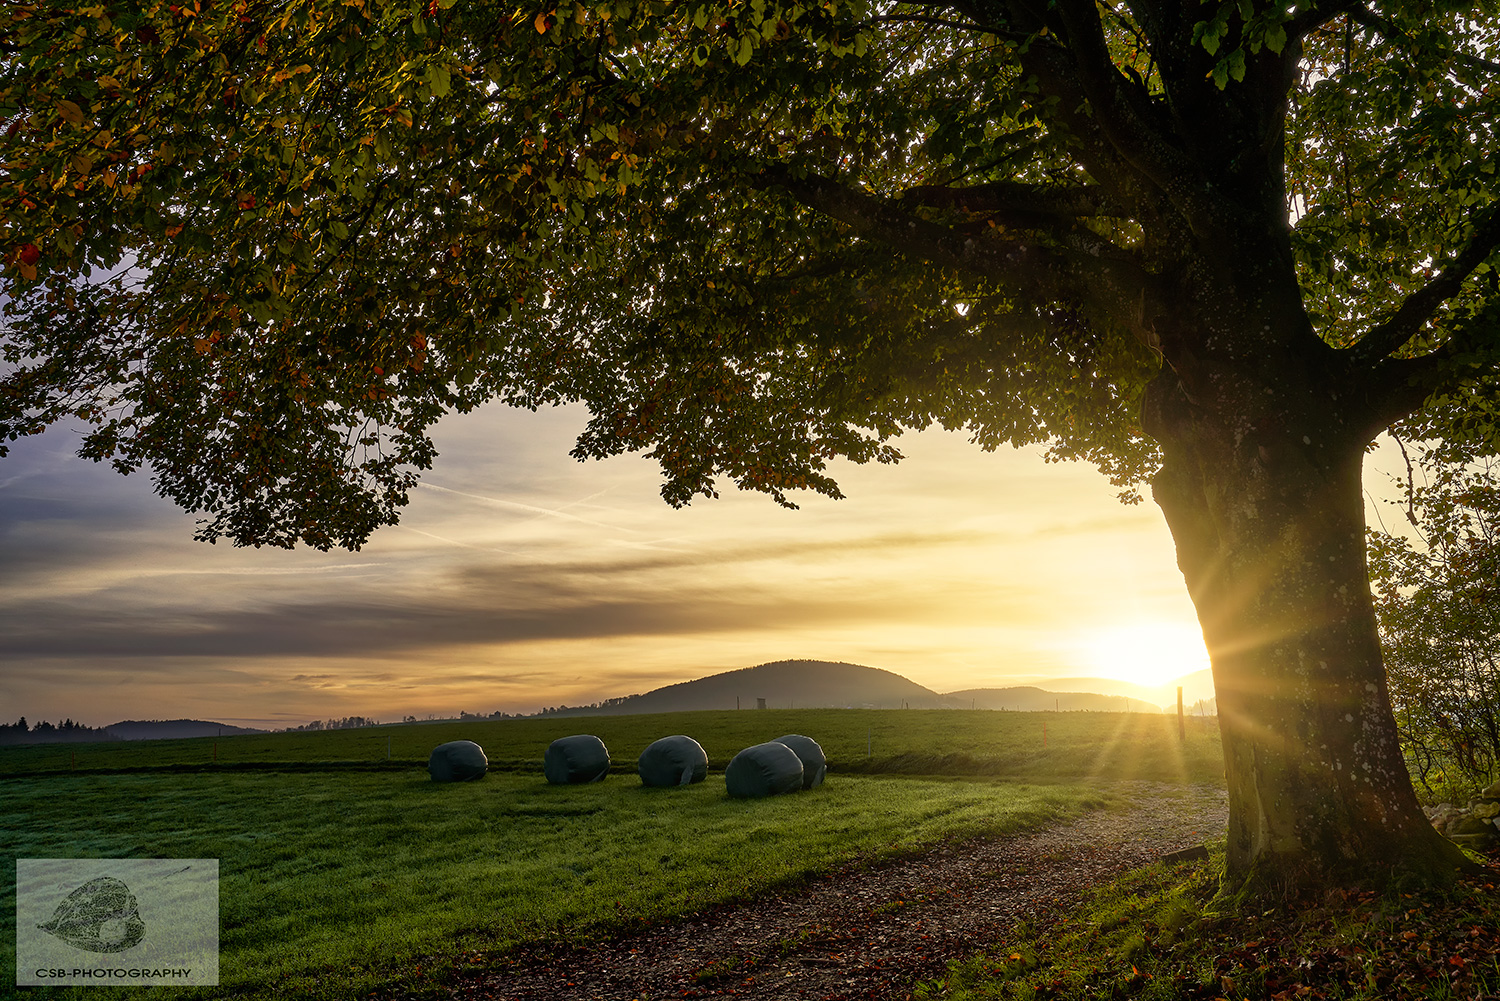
(866, 931)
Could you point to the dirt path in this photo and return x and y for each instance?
(866, 932)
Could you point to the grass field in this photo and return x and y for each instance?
(1032, 746)
(341, 873)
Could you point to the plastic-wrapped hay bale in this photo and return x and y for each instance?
(579, 758)
(769, 769)
(673, 761)
(457, 761)
(814, 761)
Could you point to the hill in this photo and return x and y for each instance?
(821, 684)
(159, 729)
(1196, 686)
(785, 684)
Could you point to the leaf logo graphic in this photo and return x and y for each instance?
(99, 916)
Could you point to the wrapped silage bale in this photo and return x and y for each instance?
(768, 769)
(810, 752)
(678, 760)
(576, 759)
(457, 761)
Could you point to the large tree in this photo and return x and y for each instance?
(263, 244)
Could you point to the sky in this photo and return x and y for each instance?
(520, 578)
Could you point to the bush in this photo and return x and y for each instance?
(1438, 599)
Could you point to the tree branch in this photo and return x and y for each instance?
(928, 19)
(1123, 115)
(1396, 387)
(1366, 18)
(1423, 303)
(1310, 20)
(1016, 197)
(1096, 271)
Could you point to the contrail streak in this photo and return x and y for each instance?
(529, 508)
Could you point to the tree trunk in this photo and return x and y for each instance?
(1268, 518)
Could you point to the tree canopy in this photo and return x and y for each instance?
(261, 245)
(751, 236)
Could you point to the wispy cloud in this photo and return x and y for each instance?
(495, 606)
(560, 512)
(517, 570)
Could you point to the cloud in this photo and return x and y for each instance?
(512, 572)
(483, 606)
(509, 505)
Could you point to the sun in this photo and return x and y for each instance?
(1145, 653)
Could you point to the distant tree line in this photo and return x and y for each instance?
(66, 731)
(342, 723)
(591, 707)
(463, 715)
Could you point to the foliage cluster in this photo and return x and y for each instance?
(751, 237)
(1155, 935)
(1438, 597)
(335, 883)
(64, 731)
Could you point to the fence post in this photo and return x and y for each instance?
(1181, 720)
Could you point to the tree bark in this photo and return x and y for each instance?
(1267, 513)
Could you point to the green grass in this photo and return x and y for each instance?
(1153, 935)
(334, 883)
(343, 871)
(1030, 746)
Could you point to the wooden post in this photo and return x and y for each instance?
(870, 745)
(216, 750)
(1181, 721)
(387, 747)
(1044, 734)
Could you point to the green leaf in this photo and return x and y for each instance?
(70, 112)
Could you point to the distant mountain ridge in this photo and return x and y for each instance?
(164, 729)
(821, 684)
